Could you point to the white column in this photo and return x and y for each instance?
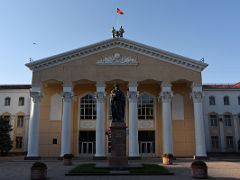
(197, 96)
(100, 123)
(33, 135)
(166, 96)
(66, 121)
(133, 121)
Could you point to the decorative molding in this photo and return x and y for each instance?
(197, 96)
(145, 124)
(133, 96)
(87, 124)
(117, 43)
(100, 96)
(166, 96)
(117, 59)
(67, 96)
(36, 96)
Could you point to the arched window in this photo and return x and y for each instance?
(212, 100)
(21, 101)
(88, 107)
(227, 119)
(145, 107)
(226, 100)
(7, 101)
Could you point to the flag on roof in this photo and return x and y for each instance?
(119, 11)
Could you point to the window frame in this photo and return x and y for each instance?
(7, 101)
(20, 122)
(21, 101)
(19, 143)
(215, 142)
(213, 122)
(86, 106)
(147, 109)
(226, 101)
(229, 145)
(227, 121)
(212, 100)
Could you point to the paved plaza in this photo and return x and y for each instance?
(15, 168)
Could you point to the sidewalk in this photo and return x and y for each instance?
(18, 169)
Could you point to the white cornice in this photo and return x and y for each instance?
(117, 43)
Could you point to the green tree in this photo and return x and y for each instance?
(5, 139)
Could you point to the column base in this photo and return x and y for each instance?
(99, 158)
(134, 158)
(200, 157)
(32, 158)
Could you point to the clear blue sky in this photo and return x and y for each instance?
(193, 28)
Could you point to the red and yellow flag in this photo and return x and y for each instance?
(119, 11)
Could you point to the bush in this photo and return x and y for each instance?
(39, 165)
(68, 156)
(167, 155)
(198, 163)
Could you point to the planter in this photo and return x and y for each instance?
(38, 171)
(167, 160)
(67, 159)
(199, 170)
(67, 162)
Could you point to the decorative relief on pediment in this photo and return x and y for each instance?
(117, 59)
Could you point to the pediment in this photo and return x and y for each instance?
(116, 58)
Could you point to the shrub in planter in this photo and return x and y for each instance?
(39, 170)
(199, 169)
(67, 159)
(167, 158)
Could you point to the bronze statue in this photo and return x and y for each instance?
(117, 104)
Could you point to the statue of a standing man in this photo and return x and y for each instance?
(117, 104)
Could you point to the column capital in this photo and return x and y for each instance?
(197, 96)
(100, 96)
(67, 96)
(132, 96)
(100, 86)
(132, 86)
(36, 96)
(166, 96)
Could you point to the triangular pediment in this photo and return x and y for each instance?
(117, 59)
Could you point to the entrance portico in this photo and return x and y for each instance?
(79, 83)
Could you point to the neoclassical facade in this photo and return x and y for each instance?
(70, 94)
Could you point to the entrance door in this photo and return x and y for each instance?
(146, 141)
(87, 143)
(87, 148)
(146, 147)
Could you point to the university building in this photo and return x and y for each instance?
(163, 93)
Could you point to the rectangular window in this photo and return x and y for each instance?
(238, 100)
(19, 140)
(20, 121)
(229, 142)
(215, 142)
(213, 120)
(227, 120)
(226, 100)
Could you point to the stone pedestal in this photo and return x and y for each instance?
(118, 158)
